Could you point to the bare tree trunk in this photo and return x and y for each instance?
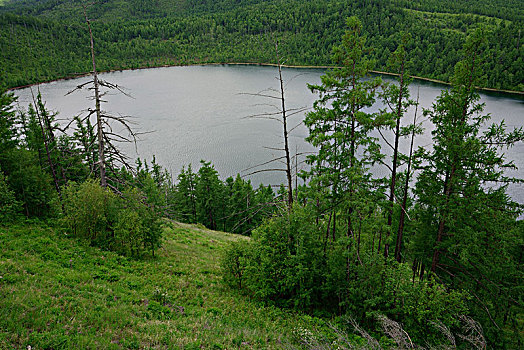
(286, 141)
(99, 126)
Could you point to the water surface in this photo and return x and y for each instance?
(202, 112)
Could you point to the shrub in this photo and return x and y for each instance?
(234, 260)
(128, 233)
(126, 225)
(9, 206)
(138, 227)
(31, 185)
(285, 261)
(90, 212)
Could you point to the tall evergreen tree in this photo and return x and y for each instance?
(8, 135)
(397, 101)
(209, 193)
(465, 216)
(185, 195)
(341, 129)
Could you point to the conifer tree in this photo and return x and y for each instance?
(209, 193)
(340, 128)
(465, 218)
(8, 139)
(185, 200)
(397, 101)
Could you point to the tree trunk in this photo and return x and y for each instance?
(400, 232)
(99, 126)
(286, 141)
(48, 152)
(395, 157)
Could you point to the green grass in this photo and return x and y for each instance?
(56, 292)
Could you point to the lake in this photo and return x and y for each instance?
(203, 112)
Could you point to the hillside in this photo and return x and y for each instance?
(110, 10)
(138, 9)
(56, 293)
(46, 40)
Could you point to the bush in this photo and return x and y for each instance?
(138, 227)
(90, 212)
(31, 185)
(9, 206)
(234, 263)
(128, 233)
(126, 225)
(284, 262)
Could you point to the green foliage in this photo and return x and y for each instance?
(284, 262)
(90, 212)
(7, 122)
(209, 192)
(31, 185)
(56, 290)
(127, 225)
(326, 255)
(234, 263)
(230, 205)
(138, 227)
(184, 196)
(128, 233)
(155, 34)
(9, 206)
(463, 213)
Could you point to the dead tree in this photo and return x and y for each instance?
(285, 131)
(99, 126)
(281, 115)
(109, 156)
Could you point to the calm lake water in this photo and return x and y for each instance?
(202, 112)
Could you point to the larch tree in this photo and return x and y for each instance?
(340, 128)
(109, 157)
(466, 220)
(397, 101)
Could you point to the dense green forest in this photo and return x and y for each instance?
(40, 45)
(431, 254)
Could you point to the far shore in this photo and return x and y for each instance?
(509, 92)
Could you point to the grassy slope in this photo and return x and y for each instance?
(57, 293)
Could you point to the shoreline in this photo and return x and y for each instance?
(81, 75)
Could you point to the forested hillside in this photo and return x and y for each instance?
(50, 38)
